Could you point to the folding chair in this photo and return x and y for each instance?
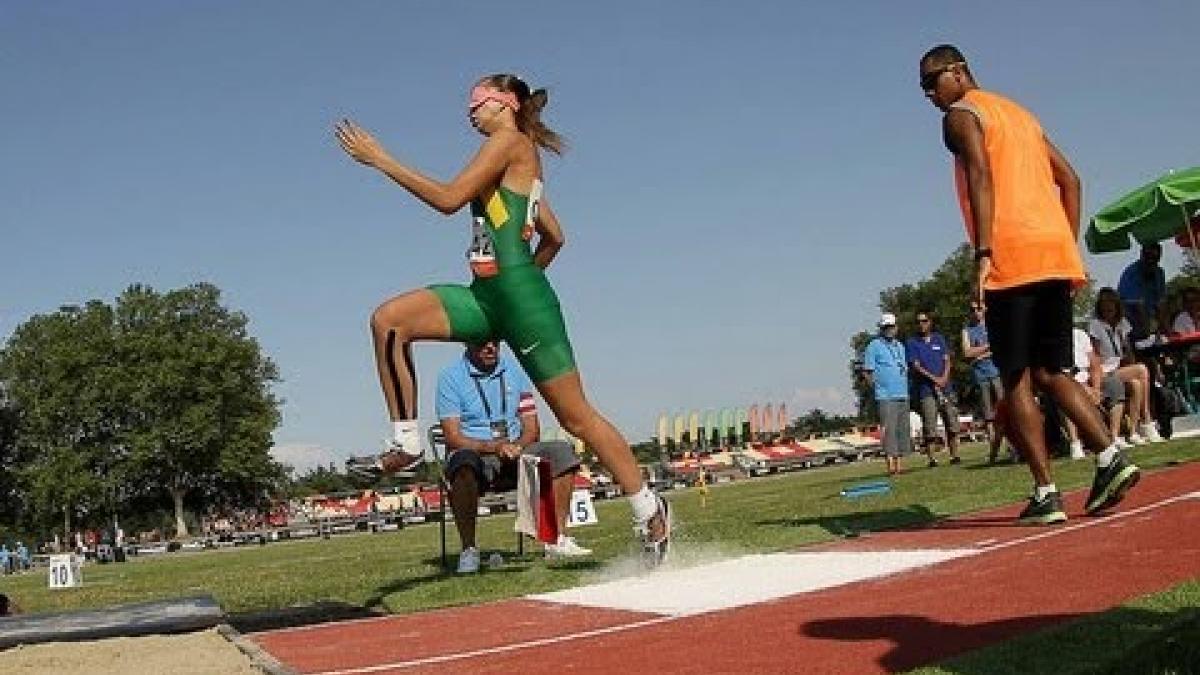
(437, 442)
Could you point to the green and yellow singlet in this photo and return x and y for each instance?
(510, 297)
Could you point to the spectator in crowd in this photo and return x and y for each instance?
(6, 560)
(886, 370)
(1188, 318)
(489, 418)
(24, 561)
(1187, 321)
(929, 358)
(1106, 389)
(1109, 331)
(978, 350)
(1143, 290)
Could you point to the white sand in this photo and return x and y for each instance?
(743, 581)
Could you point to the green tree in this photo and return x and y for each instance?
(1084, 302)
(647, 452)
(9, 494)
(1188, 277)
(198, 390)
(321, 480)
(58, 374)
(163, 394)
(817, 421)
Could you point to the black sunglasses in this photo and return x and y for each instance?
(929, 79)
(922, 320)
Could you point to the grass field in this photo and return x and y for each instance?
(1155, 634)
(400, 571)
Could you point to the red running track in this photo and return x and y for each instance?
(884, 625)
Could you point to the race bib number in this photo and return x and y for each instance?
(482, 254)
(583, 511)
(64, 572)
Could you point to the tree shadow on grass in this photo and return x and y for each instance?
(1123, 640)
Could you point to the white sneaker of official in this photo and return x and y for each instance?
(468, 561)
(566, 547)
(1151, 433)
(1077, 450)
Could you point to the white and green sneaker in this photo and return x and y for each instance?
(655, 535)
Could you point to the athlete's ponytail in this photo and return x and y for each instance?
(529, 115)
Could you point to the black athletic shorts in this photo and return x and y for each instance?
(1029, 326)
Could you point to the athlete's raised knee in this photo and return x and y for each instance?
(385, 320)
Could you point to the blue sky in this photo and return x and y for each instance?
(742, 181)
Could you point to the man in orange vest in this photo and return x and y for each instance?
(1020, 202)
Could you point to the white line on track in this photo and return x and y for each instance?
(430, 660)
(582, 635)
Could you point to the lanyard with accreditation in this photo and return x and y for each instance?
(499, 426)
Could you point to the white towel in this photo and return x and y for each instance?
(527, 496)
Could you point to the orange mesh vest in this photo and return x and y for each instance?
(1031, 238)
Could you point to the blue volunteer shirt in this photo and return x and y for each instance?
(931, 355)
(1136, 290)
(983, 369)
(886, 360)
(458, 395)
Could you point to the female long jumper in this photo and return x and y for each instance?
(509, 297)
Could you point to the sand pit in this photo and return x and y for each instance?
(201, 653)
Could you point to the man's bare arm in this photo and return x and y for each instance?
(1070, 189)
(964, 137)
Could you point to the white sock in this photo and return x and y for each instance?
(644, 504)
(1041, 491)
(405, 433)
(1107, 456)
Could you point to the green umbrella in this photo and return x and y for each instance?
(1153, 212)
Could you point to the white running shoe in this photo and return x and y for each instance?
(1136, 439)
(1077, 450)
(1122, 444)
(654, 551)
(566, 547)
(1150, 432)
(468, 561)
(395, 459)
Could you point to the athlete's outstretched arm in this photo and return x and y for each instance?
(1070, 188)
(550, 236)
(485, 169)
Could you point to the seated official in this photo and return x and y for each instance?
(488, 415)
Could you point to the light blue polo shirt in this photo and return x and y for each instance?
(459, 396)
(886, 361)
